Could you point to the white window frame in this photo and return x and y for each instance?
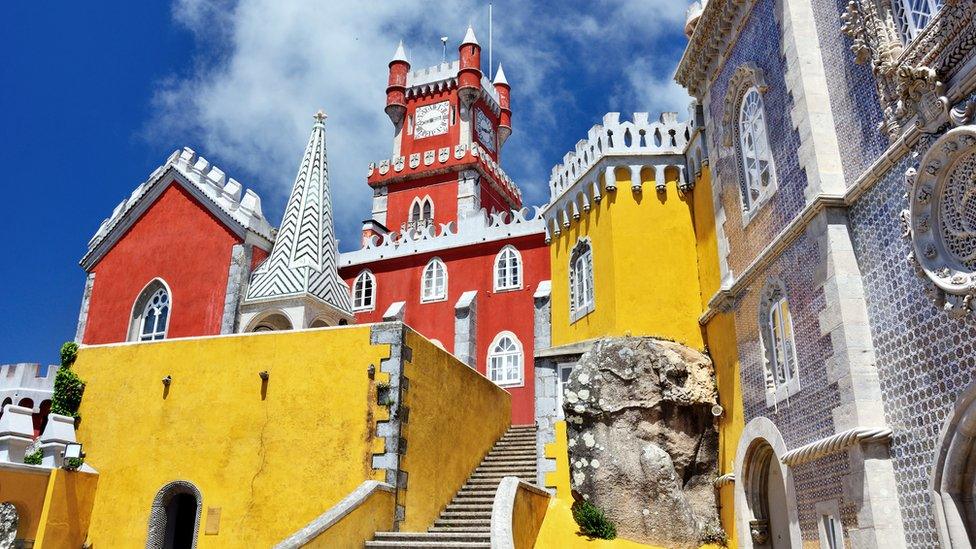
(911, 21)
(778, 347)
(518, 354)
(752, 157)
(582, 298)
(561, 386)
(830, 528)
(507, 276)
(430, 292)
(361, 300)
(137, 316)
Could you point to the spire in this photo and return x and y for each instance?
(469, 38)
(399, 55)
(303, 262)
(500, 76)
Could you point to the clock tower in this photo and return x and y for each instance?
(449, 125)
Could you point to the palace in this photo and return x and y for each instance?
(749, 324)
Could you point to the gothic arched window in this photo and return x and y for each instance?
(581, 300)
(914, 15)
(508, 269)
(364, 292)
(778, 347)
(434, 281)
(505, 359)
(150, 313)
(759, 174)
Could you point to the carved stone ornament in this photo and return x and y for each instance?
(941, 219)
(910, 77)
(745, 76)
(759, 531)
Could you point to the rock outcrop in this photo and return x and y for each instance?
(642, 441)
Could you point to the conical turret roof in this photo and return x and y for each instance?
(500, 76)
(399, 54)
(469, 37)
(305, 256)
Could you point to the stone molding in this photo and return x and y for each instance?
(746, 76)
(503, 510)
(834, 444)
(911, 77)
(952, 283)
(337, 512)
(948, 484)
(157, 514)
(83, 313)
(205, 182)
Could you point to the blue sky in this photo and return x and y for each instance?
(97, 94)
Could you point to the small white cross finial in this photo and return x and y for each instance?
(320, 116)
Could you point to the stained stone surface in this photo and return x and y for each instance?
(8, 524)
(643, 444)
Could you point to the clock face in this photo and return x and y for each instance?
(485, 129)
(431, 120)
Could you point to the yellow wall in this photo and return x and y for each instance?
(375, 514)
(645, 266)
(25, 486)
(721, 340)
(270, 460)
(456, 415)
(67, 509)
(558, 450)
(528, 512)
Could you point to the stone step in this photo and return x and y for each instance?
(432, 536)
(513, 446)
(428, 544)
(463, 506)
(472, 529)
(528, 453)
(506, 466)
(464, 522)
(497, 477)
(484, 497)
(451, 515)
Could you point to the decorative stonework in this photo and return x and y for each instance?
(910, 78)
(746, 76)
(941, 219)
(157, 514)
(8, 524)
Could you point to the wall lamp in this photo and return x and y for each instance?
(167, 380)
(264, 375)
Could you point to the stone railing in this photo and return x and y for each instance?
(369, 505)
(517, 513)
(616, 138)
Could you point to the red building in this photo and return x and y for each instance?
(173, 257)
(448, 248)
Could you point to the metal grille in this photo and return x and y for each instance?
(958, 212)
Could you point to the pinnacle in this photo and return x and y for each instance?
(500, 76)
(400, 54)
(469, 37)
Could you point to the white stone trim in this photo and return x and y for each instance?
(337, 512)
(834, 444)
(520, 266)
(503, 508)
(520, 382)
(430, 269)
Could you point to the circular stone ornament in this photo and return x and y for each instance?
(942, 217)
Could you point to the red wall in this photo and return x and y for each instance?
(442, 189)
(177, 240)
(469, 268)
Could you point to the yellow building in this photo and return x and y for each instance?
(634, 253)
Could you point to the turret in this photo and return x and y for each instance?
(469, 74)
(396, 89)
(504, 93)
(692, 16)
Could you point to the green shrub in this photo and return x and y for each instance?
(592, 521)
(68, 387)
(33, 458)
(72, 464)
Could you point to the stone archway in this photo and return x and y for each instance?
(174, 520)
(953, 473)
(765, 500)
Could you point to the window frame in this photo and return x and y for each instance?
(359, 297)
(751, 206)
(432, 297)
(904, 16)
(518, 352)
(515, 258)
(778, 345)
(581, 280)
(137, 315)
(561, 386)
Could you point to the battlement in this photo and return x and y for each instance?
(380, 174)
(477, 228)
(224, 192)
(667, 136)
(27, 375)
(442, 77)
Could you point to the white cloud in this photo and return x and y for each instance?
(265, 66)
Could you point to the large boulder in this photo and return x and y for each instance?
(642, 440)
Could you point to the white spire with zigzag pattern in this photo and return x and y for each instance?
(304, 259)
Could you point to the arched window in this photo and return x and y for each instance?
(912, 16)
(434, 281)
(581, 300)
(150, 313)
(271, 322)
(174, 519)
(759, 175)
(508, 269)
(364, 292)
(505, 360)
(778, 347)
(421, 213)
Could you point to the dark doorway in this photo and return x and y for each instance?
(181, 518)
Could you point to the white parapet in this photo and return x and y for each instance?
(60, 432)
(16, 433)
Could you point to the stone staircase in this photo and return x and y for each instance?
(466, 521)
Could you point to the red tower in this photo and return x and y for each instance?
(448, 248)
